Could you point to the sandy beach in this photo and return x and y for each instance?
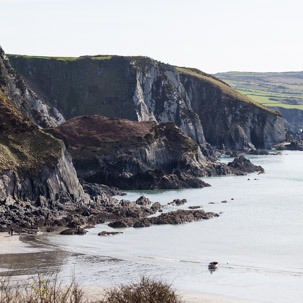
(12, 244)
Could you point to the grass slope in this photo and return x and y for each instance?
(269, 89)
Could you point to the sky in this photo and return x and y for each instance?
(211, 35)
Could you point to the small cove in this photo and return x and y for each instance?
(257, 239)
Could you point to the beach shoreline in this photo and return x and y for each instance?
(11, 245)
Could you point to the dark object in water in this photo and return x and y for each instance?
(213, 266)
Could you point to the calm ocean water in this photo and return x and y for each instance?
(257, 240)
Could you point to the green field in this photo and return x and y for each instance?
(270, 89)
(67, 59)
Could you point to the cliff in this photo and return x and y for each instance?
(238, 120)
(293, 117)
(35, 169)
(16, 90)
(132, 155)
(37, 178)
(142, 89)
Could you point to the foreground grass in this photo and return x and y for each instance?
(48, 289)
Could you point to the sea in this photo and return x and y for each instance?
(257, 240)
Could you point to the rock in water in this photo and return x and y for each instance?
(175, 217)
(74, 231)
(109, 233)
(178, 202)
(242, 166)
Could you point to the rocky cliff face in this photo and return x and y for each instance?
(35, 168)
(293, 117)
(142, 89)
(239, 122)
(15, 89)
(32, 162)
(132, 155)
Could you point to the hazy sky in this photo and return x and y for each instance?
(212, 35)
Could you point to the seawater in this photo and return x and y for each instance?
(257, 240)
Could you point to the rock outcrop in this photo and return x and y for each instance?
(243, 166)
(16, 90)
(142, 89)
(175, 217)
(133, 155)
(35, 171)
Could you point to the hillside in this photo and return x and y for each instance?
(142, 89)
(270, 89)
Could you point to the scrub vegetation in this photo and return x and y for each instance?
(48, 289)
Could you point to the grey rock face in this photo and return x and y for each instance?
(160, 96)
(143, 89)
(293, 117)
(24, 98)
(226, 121)
(59, 182)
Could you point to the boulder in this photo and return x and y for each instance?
(74, 231)
(109, 233)
(177, 202)
(143, 201)
(156, 206)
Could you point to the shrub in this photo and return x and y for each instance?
(40, 289)
(145, 291)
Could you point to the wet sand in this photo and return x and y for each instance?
(21, 254)
(12, 244)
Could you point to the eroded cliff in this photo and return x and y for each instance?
(132, 155)
(142, 89)
(16, 90)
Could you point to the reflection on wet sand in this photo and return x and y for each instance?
(32, 263)
(43, 258)
(47, 258)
